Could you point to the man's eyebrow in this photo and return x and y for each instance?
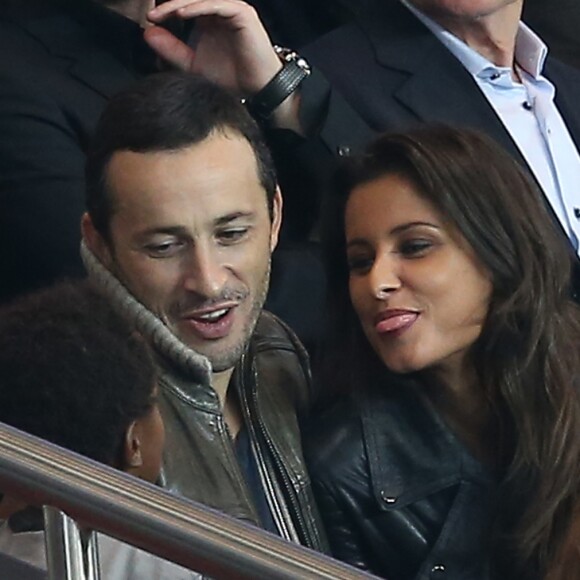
(165, 230)
(182, 231)
(226, 219)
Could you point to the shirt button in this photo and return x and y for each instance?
(494, 76)
(388, 498)
(577, 213)
(438, 571)
(343, 150)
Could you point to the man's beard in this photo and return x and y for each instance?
(230, 359)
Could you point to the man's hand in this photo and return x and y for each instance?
(232, 49)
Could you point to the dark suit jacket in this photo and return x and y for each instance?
(59, 64)
(297, 22)
(389, 72)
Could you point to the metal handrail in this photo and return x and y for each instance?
(151, 518)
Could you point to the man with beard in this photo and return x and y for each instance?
(183, 215)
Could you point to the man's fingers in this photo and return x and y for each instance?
(194, 8)
(170, 48)
(161, 12)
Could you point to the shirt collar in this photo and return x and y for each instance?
(530, 51)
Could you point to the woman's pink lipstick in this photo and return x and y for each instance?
(395, 321)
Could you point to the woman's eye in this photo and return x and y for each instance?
(415, 247)
(359, 264)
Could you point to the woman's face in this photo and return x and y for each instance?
(419, 291)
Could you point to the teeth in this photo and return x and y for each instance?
(213, 315)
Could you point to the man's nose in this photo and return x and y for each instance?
(206, 275)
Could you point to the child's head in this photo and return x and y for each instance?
(74, 372)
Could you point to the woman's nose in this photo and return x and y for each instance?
(384, 276)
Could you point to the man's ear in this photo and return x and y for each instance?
(95, 241)
(132, 457)
(277, 204)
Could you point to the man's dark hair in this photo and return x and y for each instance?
(72, 371)
(167, 112)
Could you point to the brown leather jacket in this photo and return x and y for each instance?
(272, 381)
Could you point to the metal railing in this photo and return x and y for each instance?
(142, 514)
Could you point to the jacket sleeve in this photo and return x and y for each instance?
(41, 189)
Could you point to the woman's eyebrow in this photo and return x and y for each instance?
(396, 230)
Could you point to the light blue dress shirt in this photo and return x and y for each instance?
(529, 114)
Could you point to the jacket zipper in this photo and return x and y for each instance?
(227, 443)
(286, 482)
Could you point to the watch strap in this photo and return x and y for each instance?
(281, 86)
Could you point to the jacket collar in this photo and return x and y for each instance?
(192, 364)
(410, 428)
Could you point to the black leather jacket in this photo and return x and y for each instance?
(399, 495)
(272, 381)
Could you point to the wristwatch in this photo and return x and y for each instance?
(294, 70)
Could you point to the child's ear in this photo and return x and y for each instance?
(132, 449)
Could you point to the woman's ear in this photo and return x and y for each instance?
(133, 459)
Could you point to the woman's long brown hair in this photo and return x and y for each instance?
(527, 357)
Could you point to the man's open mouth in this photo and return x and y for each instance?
(211, 324)
(213, 316)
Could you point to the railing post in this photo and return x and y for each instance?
(71, 553)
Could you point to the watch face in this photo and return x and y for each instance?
(288, 55)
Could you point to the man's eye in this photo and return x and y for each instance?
(415, 248)
(232, 235)
(163, 249)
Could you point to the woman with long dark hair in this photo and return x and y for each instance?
(454, 449)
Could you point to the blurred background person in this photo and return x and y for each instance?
(61, 60)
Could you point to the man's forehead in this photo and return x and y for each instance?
(219, 151)
(211, 180)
